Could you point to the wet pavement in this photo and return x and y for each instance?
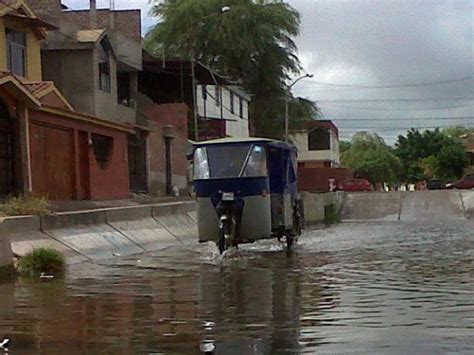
(387, 287)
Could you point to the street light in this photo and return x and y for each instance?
(287, 102)
(224, 9)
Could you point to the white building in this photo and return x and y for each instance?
(225, 110)
(318, 144)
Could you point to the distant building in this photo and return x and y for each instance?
(318, 144)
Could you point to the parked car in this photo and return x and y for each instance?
(435, 184)
(467, 182)
(355, 185)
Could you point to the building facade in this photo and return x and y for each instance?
(222, 108)
(95, 57)
(227, 106)
(48, 149)
(318, 144)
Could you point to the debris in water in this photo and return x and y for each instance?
(46, 276)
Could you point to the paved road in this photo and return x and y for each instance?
(387, 287)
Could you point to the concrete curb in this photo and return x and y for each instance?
(101, 234)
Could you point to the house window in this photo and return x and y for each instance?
(103, 146)
(241, 107)
(217, 93)
(16, 52)
(104, 69)
(232, 102)
(319, 139)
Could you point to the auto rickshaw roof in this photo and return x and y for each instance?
(230, 141)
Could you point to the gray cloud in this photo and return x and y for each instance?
(388, 42)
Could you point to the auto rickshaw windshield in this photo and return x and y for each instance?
(220, 162)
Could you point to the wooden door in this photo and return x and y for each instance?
(6, 167)
(84, 167)
(137, 164)
(52, 161)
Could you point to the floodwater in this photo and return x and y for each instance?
(367, 288)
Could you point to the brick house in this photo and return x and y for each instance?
(46, 147)
(95, 57)
(222, 106)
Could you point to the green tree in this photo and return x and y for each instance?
(252, 43)
(344, 146)
(430, 154)
(456, 132)
(370, 158)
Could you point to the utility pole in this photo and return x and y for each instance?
(193, 71)
(287, 103)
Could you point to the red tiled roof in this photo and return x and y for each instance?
(312, 124)
(36, 88)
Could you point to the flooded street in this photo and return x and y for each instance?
(368, 288)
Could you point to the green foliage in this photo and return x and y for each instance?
(42, 260)
(19, 206)
(456, 132)
(452, 160)
(252, 43)
(431, 154)
(344, 146)
(370, 158)
(430, 166)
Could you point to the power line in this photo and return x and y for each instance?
(391, 129)
(401, 109)
(393, 86)
(403, 118)
(400, 100)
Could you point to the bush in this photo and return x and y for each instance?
(42, 260)
(20, 206)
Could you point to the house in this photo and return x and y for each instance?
(222, 106)
(318, 144)
(95, 58)
(318, 155)
(468, 141)
(47, 148)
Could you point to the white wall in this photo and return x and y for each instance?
(300, 139)
(236, 126)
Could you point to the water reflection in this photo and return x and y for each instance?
(363, 287)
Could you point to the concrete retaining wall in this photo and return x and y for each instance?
(409, 206)
(372, 206)
(468, 203)
(314, 205)
(101, 234)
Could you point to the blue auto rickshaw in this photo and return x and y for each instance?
(246, 190)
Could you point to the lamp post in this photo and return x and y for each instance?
(224, 9)
(287, 102)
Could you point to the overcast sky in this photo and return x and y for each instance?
(423, 50)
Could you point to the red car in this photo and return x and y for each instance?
(355, 185)
(467, 182)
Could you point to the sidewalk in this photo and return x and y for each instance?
(136, 200)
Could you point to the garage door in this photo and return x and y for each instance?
(52, 162)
